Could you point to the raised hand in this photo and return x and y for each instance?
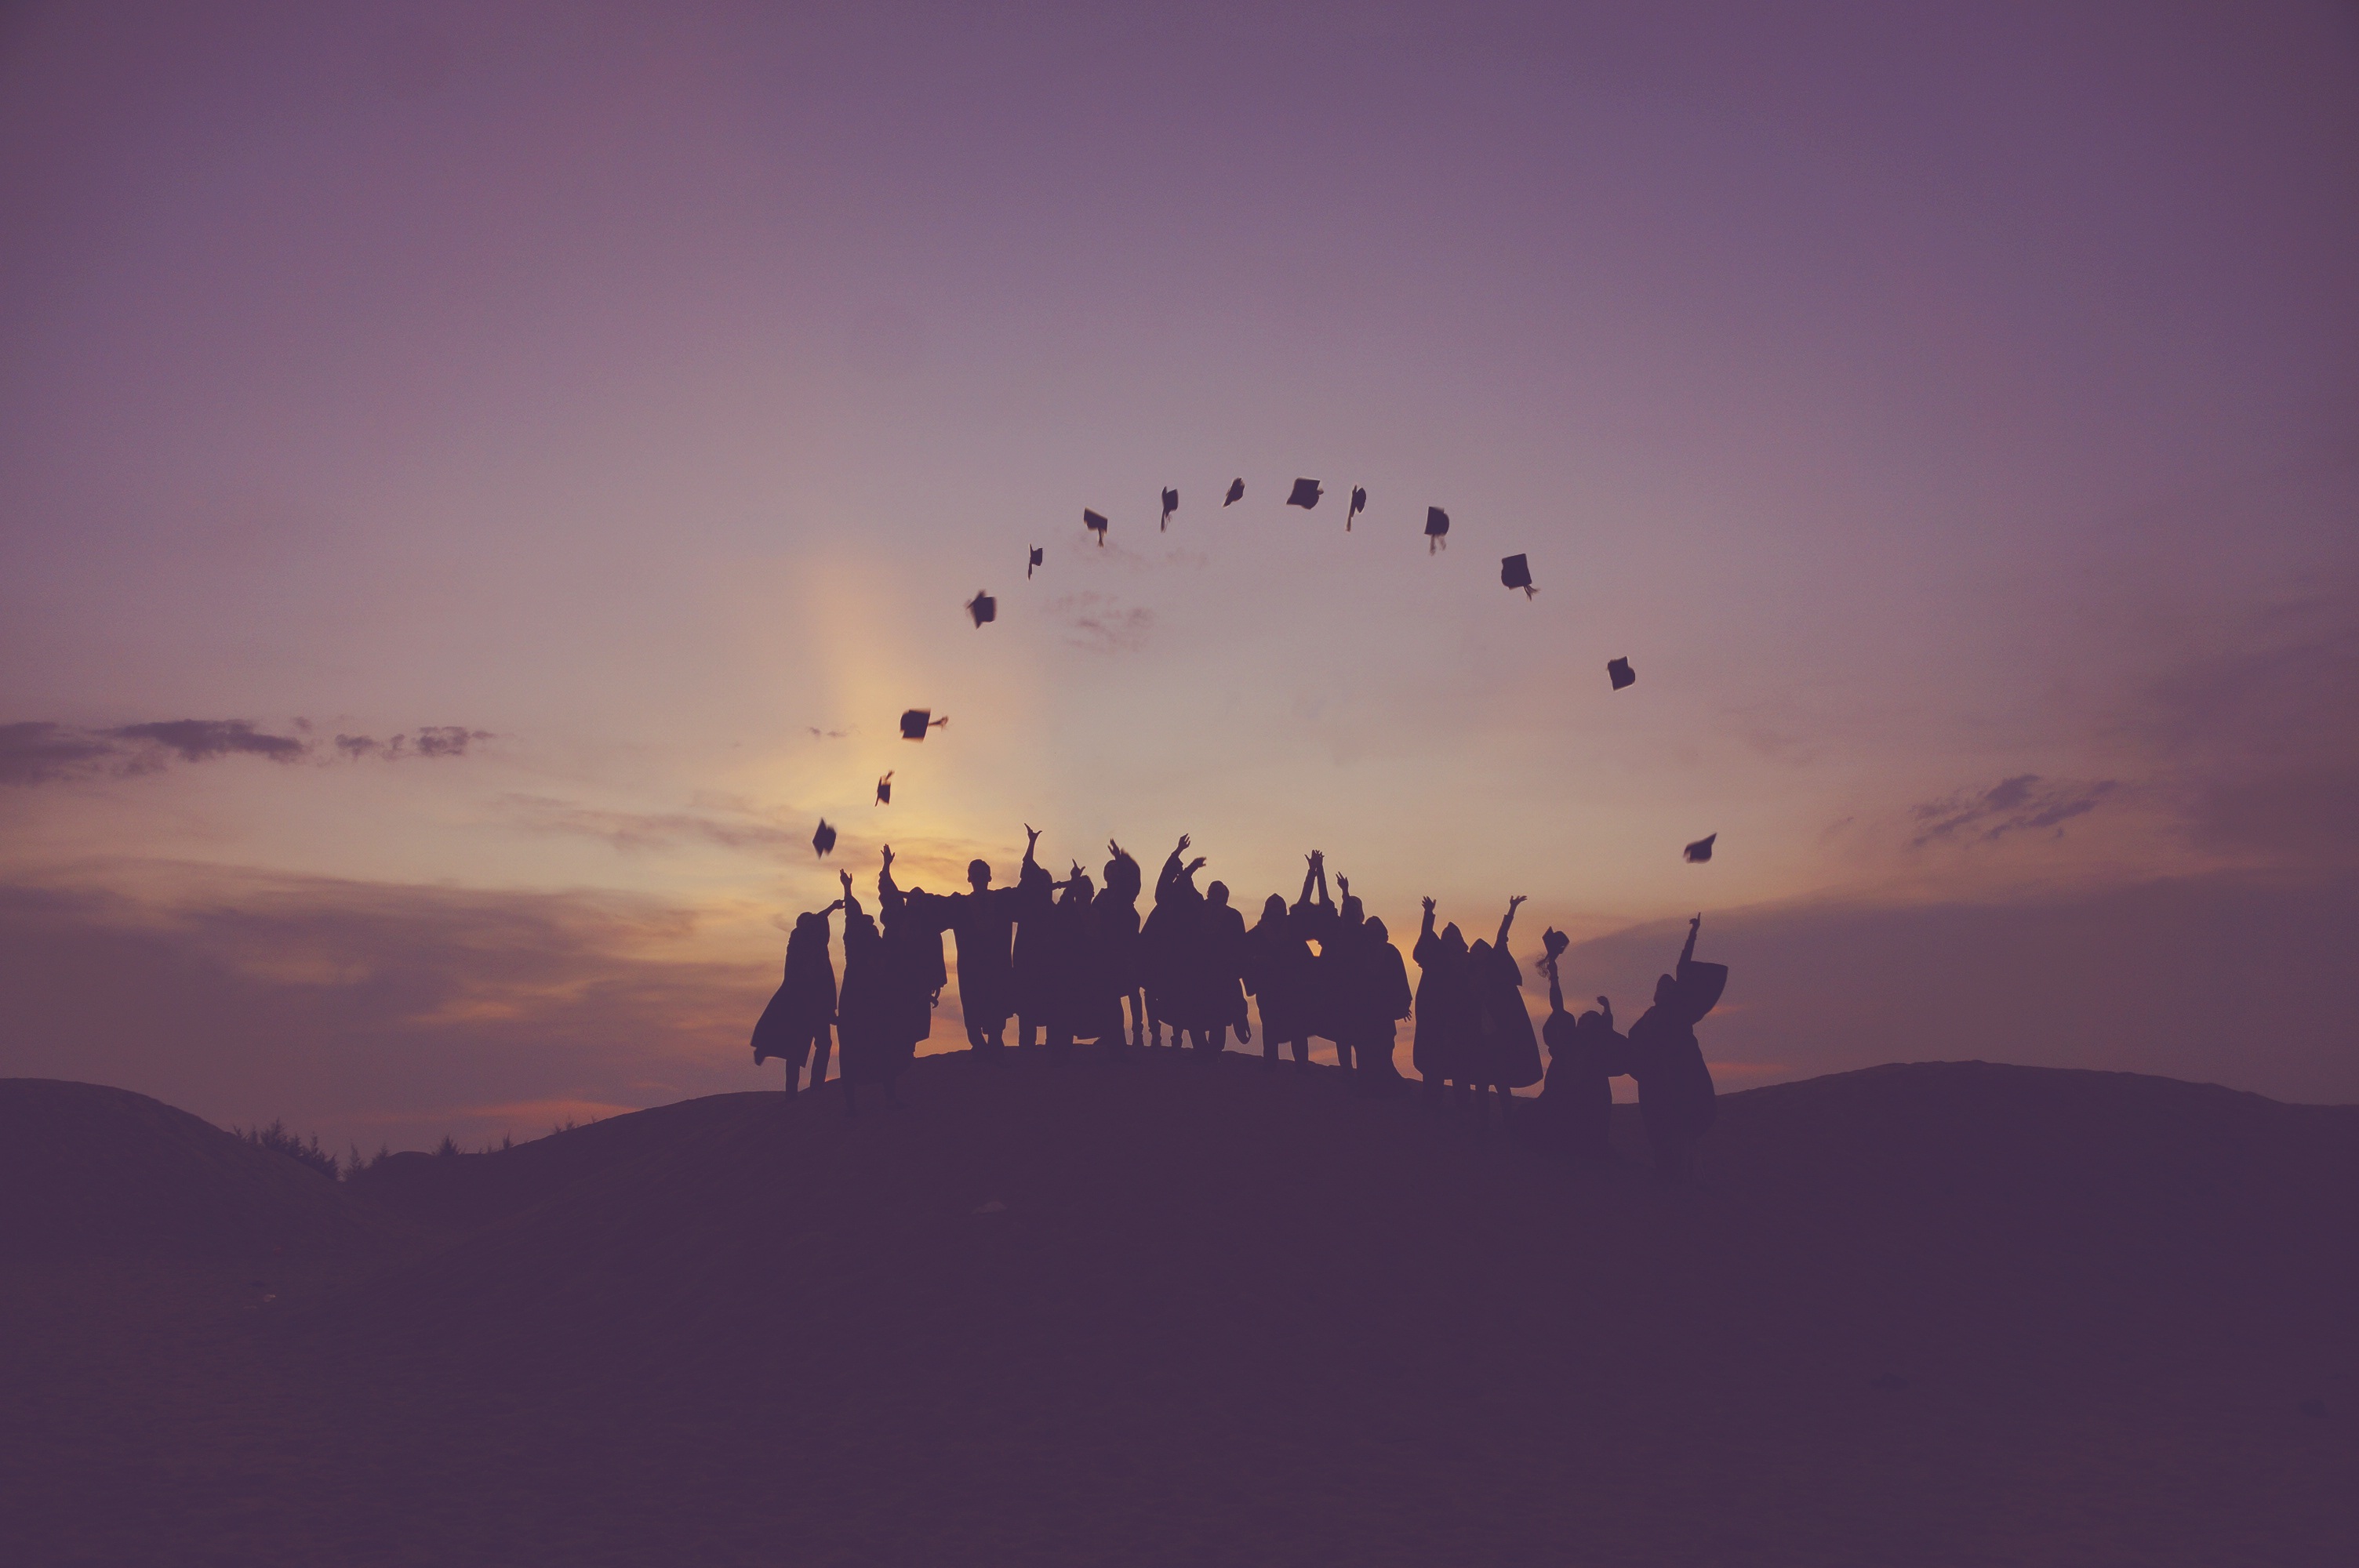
(846, 877)
(1428, 905)
(1196, 865)
(1114, 849)
(1343, 885)
(1181, 848)
(888, 854)
(1031, 837)
(1515, 902)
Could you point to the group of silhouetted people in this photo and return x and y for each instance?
(1072, 963)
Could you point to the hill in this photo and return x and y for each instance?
(89, 1170)
(1178, 1310)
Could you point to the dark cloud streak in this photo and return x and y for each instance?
(38, 751)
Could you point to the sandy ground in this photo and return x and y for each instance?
(1946, 1314)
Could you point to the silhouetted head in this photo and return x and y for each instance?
(1122, 877)
(1078, 892)
(978, 875)
(1666, 988)
(1351, 909)
(1455, 939)
(1217, 895)
(1273, 910)
(1482, 948)
(1376, 932)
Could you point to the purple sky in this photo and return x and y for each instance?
(1953, 413)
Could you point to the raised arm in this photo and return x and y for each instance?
(1309, 869)
(1507, 920)
(887, 895)
(1425, 932)
(1031, 842)
(1318, 866)
(851, 905)
(1687, 954)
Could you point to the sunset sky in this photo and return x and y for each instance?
(1953, 413)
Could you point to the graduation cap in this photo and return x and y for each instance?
(1516, 572)
(1700, 850)
(884, 790)
(1095, 524)
(1437, 529)
(983, 608)
(1619, 672)
(1359, 504)
(1031, 564)
(824, 839)
(1170, 504)
(918, 720)
(1306, 494)
(1236, 493)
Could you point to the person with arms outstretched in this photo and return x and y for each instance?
(866, 1025)
(983, 920)
(1443, 1049)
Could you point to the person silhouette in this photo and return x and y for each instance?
(1075, 983)
(864, 1023)
(1172, 940)
(1340, 980)
(1676, 1099)
(914, 921)
(1443, 1049)
(983, 919)
(799, 1021)
(1574, 1111)
(1221, 962)
(1276, 967)
(1507, 1057)
(1315, 920)
(1035, 910)
(1380, 999)
(1116, 917)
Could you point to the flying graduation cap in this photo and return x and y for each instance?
(1306, 494)
(1516, 572)
(1095, 524)
(1359, 504)
(884, 790)
(1619, 672)
(824, 839)
(1236, 493)
(983, 608)
(1170, 504)
(1699, 851)
(1437, 529)
(1031, 564)
(918, 720)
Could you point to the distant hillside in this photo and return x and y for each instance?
(1185, 1310)
(90, 1170)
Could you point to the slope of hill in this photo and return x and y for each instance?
(1179, 1310)
(89, 1170)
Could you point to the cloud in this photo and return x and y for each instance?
(38, 751)
(433, 741)
(1097, 622)
(654, 830)
(2019, 803)
(373, 1011)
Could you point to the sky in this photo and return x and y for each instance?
(478, 483)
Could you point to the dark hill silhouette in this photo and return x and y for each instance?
(1944, 1313)
(88, 1170)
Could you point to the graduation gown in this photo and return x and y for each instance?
(985, 925)
(1445, 1012)
(1506, 1048)
(1222, 961)
(804, 1002)
(913, 952)
(1035, 907)
(1576, 1101)
(866, 1029)
(1277, 971)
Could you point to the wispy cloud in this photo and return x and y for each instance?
(38, 751)
(632, 831)
(2024, 803)
(1099, 623)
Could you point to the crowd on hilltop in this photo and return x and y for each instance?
(1070, 962)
